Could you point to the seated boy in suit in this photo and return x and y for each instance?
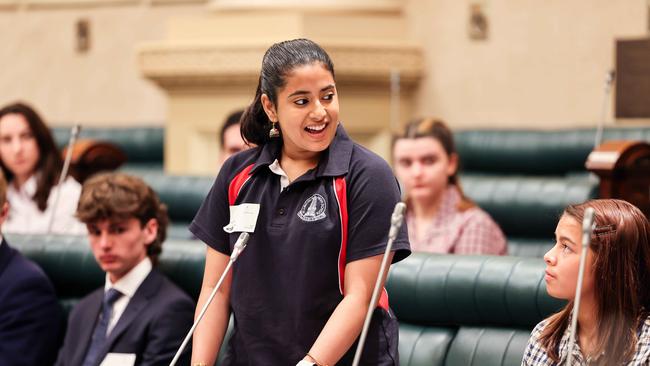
(138, 317)
(31, 319)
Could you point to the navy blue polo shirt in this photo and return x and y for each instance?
(287, 282)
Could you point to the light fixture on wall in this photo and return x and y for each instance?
(82, 35)
(478, 26)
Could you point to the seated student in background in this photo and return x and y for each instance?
(138, 317)
(31, 320)
(614, 316)
(230, 136)
(440, 218)
(32, 164)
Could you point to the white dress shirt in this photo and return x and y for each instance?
(127, 285)
(26, 218)
(277, 170)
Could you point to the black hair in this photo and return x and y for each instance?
(279, 60)
(232, 119)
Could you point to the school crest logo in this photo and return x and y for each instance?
(313, 209)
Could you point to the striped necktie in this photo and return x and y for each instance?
(99, 334)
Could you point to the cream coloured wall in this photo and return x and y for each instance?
(542, 66)
(40, 64)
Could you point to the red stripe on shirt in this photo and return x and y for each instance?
(341, 199)
(235, 185)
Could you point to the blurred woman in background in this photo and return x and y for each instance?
(32, 164)
(440, 218)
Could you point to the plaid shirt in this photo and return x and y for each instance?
(458, 232)
(535, 353)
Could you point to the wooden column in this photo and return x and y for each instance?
(210, 66)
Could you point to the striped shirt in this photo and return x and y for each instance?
(471, 231)
(536, 355)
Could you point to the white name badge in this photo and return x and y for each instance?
(119, 359)
(243, 218)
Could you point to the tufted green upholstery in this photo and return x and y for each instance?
(183, 196)
(143, 146)
(527, 208)
(472, 290)
(487, 346)
(70, 264)
(534, 152)
(525, 178)
(424, 346)
(467, 310)
(453, 310)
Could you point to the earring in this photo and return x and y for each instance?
(274, 132)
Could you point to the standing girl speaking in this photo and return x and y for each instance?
(320, 205)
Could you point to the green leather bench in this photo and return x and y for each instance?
(453, 310)
(467, 310)
(527, 208)
(183, 195)
(70, 264)
(534, 152)
(143, 146)
(525, 178)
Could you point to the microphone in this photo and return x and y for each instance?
(587, 229)
(64, 172)
(240, 245)
(395, 223)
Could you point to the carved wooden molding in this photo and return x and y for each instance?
(176, 2)
(383, 6)
(9, 4)
(212, 64)
(67, 4)
(624, 171)
(77, 3)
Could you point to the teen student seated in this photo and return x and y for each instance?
(441, 219)
(138, 317)
(613, 319)
(32, 164)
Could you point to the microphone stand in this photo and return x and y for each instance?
(587, 228)
(64, 172)
(609, 80)
(240, 245)
(396, 223)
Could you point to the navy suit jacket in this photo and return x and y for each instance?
(152, 326)
(31, 319)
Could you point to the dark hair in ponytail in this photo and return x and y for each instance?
(278, 62)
